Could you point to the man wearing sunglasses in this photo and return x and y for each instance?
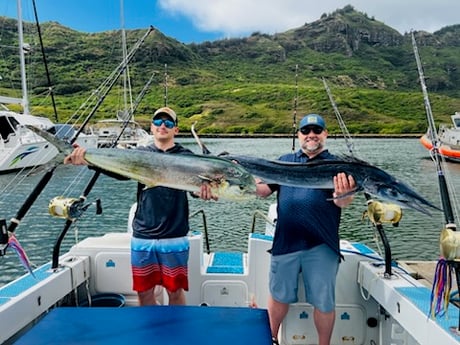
(159, 243)
(306, 238)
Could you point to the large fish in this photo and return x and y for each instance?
(319, 174)
(180, 171)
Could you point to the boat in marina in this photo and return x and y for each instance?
(20, 148)
(133, 135)
(123, 129)
(448, 139)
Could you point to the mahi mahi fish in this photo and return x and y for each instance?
(319, 174)
(179, 171)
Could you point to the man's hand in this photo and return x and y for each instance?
(206, 193)
(343, 184)
(77, 157)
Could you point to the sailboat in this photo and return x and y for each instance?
(449, 139)
(20, 148)
(127, 132)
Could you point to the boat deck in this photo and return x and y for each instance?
(423, 271)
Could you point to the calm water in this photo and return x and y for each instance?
(228, 222)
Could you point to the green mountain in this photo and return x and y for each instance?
(254, 84)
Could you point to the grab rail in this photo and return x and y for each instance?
(205, 226)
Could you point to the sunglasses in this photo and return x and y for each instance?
(168, 123)
(315, 129)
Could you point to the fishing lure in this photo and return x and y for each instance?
(14, 244)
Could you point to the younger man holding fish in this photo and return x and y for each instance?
(307, 236)
(159, 245)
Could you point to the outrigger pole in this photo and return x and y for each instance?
(47, 176)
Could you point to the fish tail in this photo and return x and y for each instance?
(14, 244)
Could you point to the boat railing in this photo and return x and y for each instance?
(259, 214)
(205, 227)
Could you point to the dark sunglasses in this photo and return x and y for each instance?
(168, 123)
(315, 129)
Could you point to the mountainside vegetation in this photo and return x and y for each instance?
(254, 84)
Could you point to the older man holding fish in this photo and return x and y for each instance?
(159, 245)
(307, 235)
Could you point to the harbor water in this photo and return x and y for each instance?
(228, 223)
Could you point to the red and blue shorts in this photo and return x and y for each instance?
(160, 262)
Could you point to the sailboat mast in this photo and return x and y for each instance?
(126, 80)
(25, 100)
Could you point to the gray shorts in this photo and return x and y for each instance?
(319, 267)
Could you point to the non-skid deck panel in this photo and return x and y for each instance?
(421, 298)
(153, 324)
(226, 262)
(24, 283)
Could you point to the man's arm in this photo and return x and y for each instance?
(262, 189)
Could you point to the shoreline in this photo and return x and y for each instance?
(330, 136)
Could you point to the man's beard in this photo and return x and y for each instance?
(312, 146)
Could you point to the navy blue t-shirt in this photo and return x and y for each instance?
(306, 218)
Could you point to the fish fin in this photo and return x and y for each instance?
(14, 244)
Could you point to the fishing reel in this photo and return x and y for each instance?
(71, 208)
(379, 213)
(449, 243)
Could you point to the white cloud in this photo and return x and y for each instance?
(235, 18)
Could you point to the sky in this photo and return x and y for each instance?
(206, 20)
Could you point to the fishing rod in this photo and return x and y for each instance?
(343, 127)
(165, 96)
(294, 115)
(440, 295)
(376, 211)
(76, 207)
(445, 198)
(119, 70)
(15, 221)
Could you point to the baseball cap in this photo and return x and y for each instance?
(167, 111)
(312, 120)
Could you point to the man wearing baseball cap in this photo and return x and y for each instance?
(159, 242)
(306, 237)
